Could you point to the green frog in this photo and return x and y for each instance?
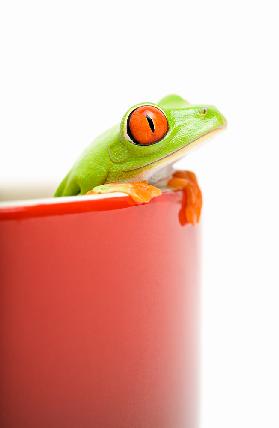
(136, 156)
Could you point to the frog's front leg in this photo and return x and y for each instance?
(140, 192)
(192, 196)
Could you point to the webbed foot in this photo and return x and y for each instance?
(140, 192)
(192, 196)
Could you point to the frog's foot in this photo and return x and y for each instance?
(140, 192)
(192, 197)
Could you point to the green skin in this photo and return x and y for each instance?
(113, 157)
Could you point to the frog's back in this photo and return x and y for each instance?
(91, 169)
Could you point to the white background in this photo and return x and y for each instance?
(70, 69)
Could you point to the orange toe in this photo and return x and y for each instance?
(140, 192)
(192, 196)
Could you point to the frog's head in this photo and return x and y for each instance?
(159, 134)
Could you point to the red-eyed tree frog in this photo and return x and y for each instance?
(136, 156)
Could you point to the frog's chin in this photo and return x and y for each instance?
(150, 171)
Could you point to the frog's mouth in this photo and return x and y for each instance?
(176, 155)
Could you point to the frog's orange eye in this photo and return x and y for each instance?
(147, 125)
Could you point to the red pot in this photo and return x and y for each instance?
(98, 314)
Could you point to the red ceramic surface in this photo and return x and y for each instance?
(98, 315)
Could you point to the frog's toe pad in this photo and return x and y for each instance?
(140, 192)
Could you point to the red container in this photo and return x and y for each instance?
(98, 324)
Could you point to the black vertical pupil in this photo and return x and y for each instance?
(150, 123)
